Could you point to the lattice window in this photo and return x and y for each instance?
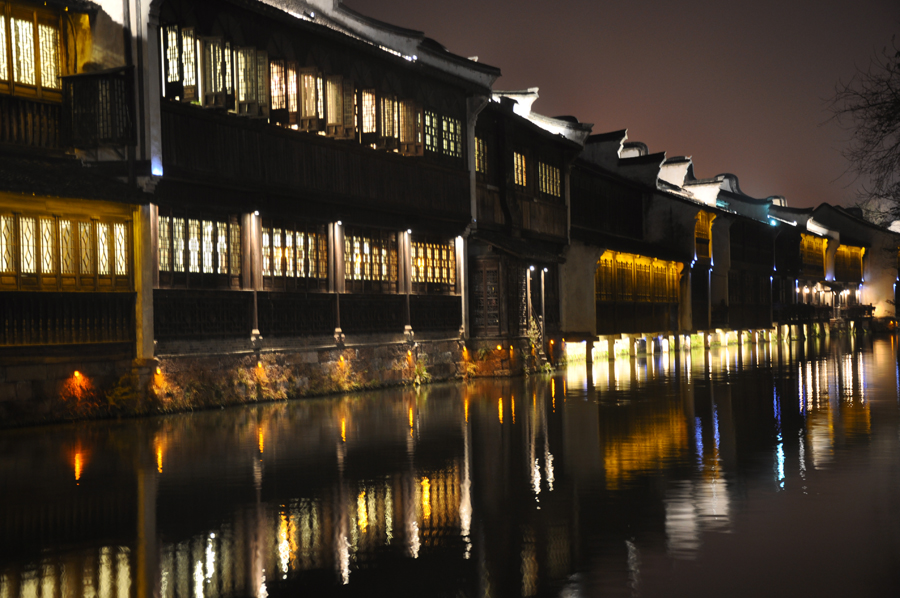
(48, 245)
(605, 278)
(548, 178)
(642, 281)
(4, 67)
(431, 131)
(433, 263)
(207, 244)
(189, 56)
(267, 252)
(335, 97)
(450, 137)
(120, 247)
(519, 169)
(290, 261)
(320, 97)
(624, 280)
(278, 252)
(229, 77)
(178, 230)
(193, 246)
(703, 235)
(370, 258)
(23, 51)
(67, 263)
(235, 249)
(309, 104)
(173, 60)
(103, 249)
(480, 156)
(7, 244)
(293, 99)
(222, 248)
(49, 42)
(27, 249)
(277, 84)
(368, 111)
(86, 247)
(388, 109)
(246, 74)
(214, 66)
(262, 79)
(164, 240)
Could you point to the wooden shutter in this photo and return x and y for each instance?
(349, 109)
(262, 83)
(215, 73)
(411, 129)
(172, 59)
(278, 111)
(334, 106)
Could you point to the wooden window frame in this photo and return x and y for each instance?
(36, 16)
(423, 264)
(369, 282)
(281, 277)
(172, 278)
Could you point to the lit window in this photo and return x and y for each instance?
(86, 246)
(431, 131)
(370, 258)
(222, 248)
(335, 91)
(368, 111)
(120, 249)
(66, 247)
(320, 97)
(48, 246)
(103, 249)
(4, 67)
(294, 253)
(178, 242)
(26, 245)
(388, 108)
(480, 156)
(450, 137)
(7, 242)
(49, 40)
(519, 166)
(189, 57)
(549, 179)
(308, 95)
(262, 79)
(277, 83)
(235, 249)
(193, 244)
(433, 263)
(23, 51)
(293, 100)
(164, 240)
(246, 74)
(207, 246)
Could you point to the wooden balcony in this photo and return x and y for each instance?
(29, 122)
(223, 149)
(68, 321)
(534, 215)
(97, 109)
(184, 314)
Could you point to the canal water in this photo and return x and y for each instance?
(754, 471)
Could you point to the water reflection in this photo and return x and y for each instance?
(495, 488)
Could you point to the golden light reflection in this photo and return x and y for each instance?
(500, 409)
(362, 513)
(661, 437)
(284, 548)
(426, 498)
(410, 417)
(512, 406)
(344, 429)
(262, 440)
(79, 464)
(466, 408)
(159, 458)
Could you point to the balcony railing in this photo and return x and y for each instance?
(224, 149)
(46, 318)
(29, 122)
(97, 109)
(538, 216)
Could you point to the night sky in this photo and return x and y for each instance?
(740, 87)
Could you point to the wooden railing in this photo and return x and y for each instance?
(218, 314)
(538, 216)
(223, 148)
(29, 122)
(47, 318)
(97, 109)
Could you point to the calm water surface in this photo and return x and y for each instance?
(742, 472)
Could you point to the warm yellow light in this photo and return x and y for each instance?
(512, 404)
(426, 498)
(409, 353)
(551, 341)
(259, 364)
(158, 371)
(344, 429)
(159, 458)
(362, 514)
(78, 464)
(342, 358)
(500, 409)
(77, 374)
(262, 444)
(499, 347)
(410, 417)
(466, 406)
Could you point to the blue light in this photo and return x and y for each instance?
(772, 222)
(157, 171)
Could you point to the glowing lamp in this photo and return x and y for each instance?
(77, 374)
(259, 364)
(551, 341)
(499, 347)
(158, 371)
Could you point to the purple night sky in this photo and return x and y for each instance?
(741, 88)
